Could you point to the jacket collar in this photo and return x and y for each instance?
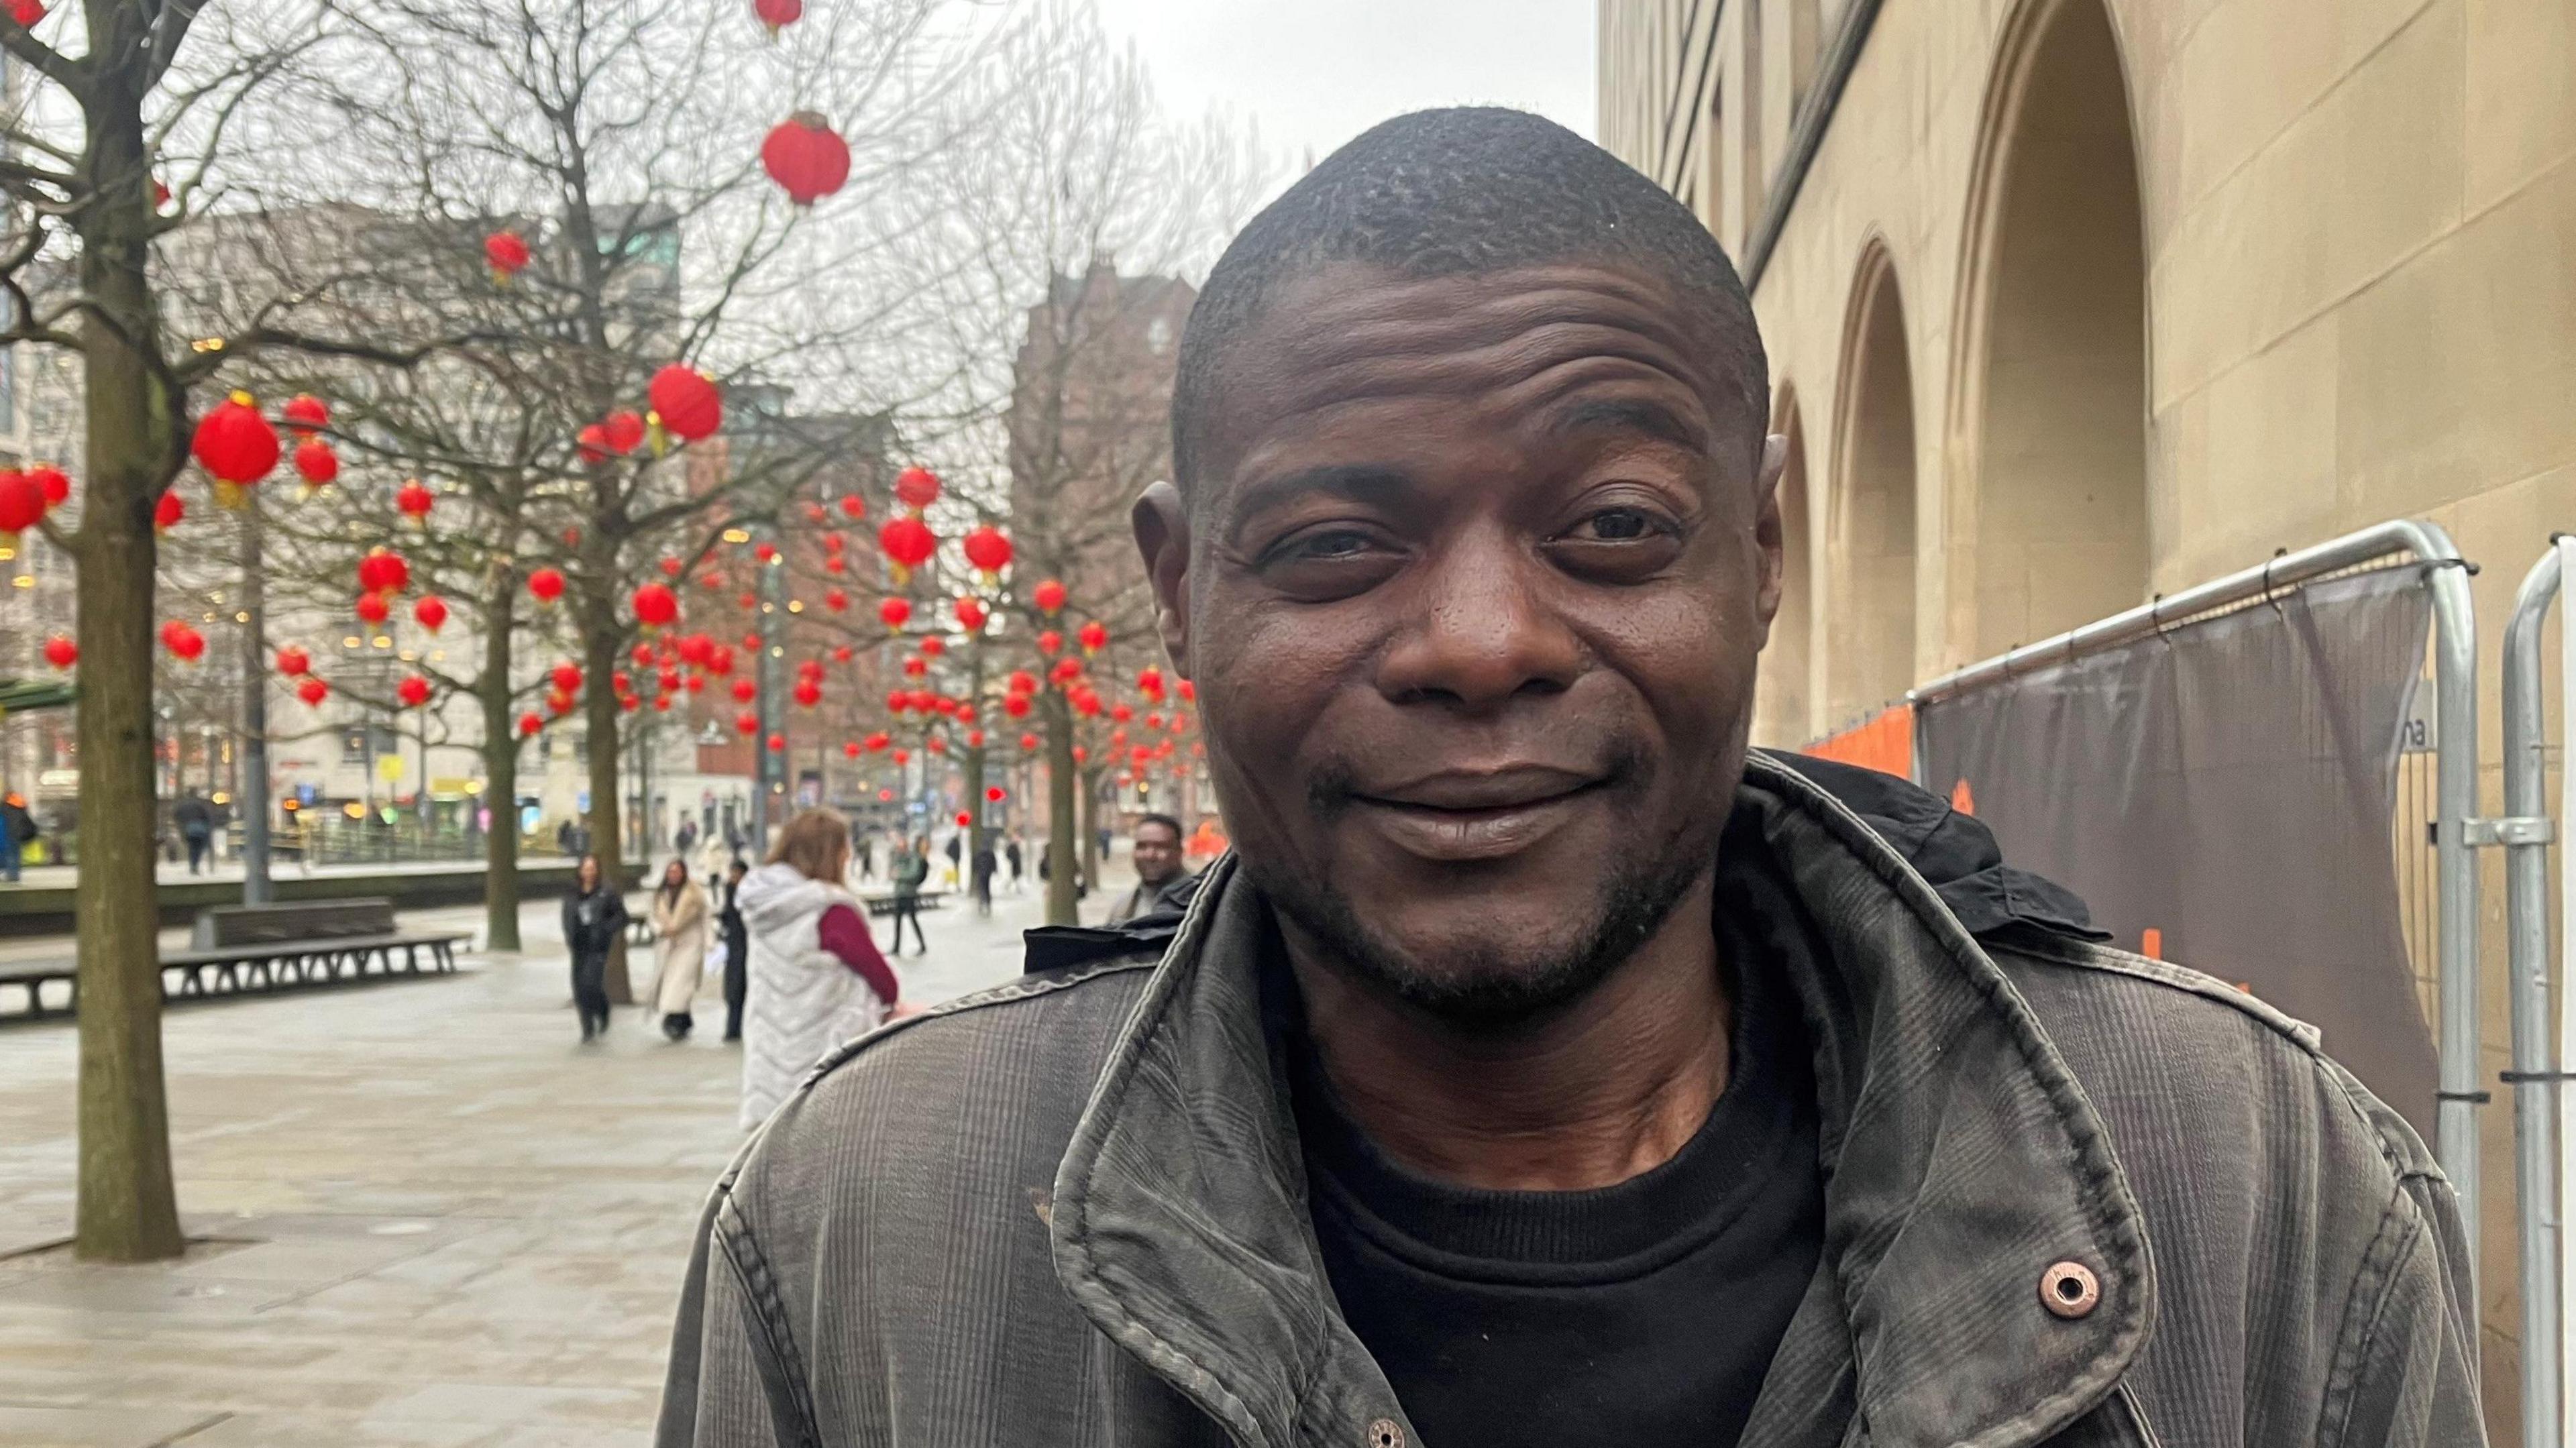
(1962, 1160)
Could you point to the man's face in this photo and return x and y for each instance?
(1472, 591)
(1158, 854)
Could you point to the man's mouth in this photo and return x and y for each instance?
(1465, 815)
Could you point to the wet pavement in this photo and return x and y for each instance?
(424, 1214)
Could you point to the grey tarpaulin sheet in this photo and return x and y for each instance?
(2227, 784)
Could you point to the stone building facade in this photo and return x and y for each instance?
(2074, 302)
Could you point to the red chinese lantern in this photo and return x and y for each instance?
(778, 14)
(1016, 705)
(372, 608)
(566, 677)
(1188, 691)
(1049, 641)
(935, 744)
(836, 565)
(934, 646)
(1094, 637)
(988, 549)
(744, 689)
(1081, 755)
(61, 652)
(878, 741)
(316, 463)
(1048, 595)
(629, 703)
(1122, 713)
(622, 430)
(897, 701)
(963, 819)
(529, 724)
(559, 703)
(806, 158)
(430, 612)
(696, 649)
(720, 660)
(970, 615)
(918, 487)
(168, 511)
(415, 499)
(383, 571)
(908, 543)
(546, 584)
(506, 252)
(747, 722)
(234, 443)
(836, 600)
(746, 601)
(1029, 742)
(183, 642)
(413, 691)
(808, 693)
(313, 692)
(853, 507)
(292, 661)
(902, 756)
(895, 612)
(946, 706)
(619, 681)
(914, 668)
(1023, 682)
(307, 414)
(1149, 681)
(27, 13)
(843, 654)
(766, 552)
(922, 701)
(685, 402)
(592, 441)
(656, 606)
(53, 482)
(995, 794)
(673, 568)
(22, 502)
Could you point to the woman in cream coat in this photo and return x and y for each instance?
(679, 947)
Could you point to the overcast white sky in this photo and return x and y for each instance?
(1317, 72)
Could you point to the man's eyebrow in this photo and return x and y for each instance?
(1359, 482)
(1631, 414)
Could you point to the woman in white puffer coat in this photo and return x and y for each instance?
(817, 978)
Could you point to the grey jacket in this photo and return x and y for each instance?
(1071, 1211)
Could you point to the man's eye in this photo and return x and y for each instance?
(1340, 543)
(1615, 525)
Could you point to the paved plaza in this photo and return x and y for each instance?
(424, 1214)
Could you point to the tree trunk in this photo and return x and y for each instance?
(500, 778)
(1091, 858)
(600, 640)
(128, 1209)
(1060, 811)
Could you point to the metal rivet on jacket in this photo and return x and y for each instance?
(1385, 1433)
(2070, 1289)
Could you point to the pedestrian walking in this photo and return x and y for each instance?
(17, 832)
(984, 866)
(594, 916)
(956, 852)
(867, 855)
(686, 839)
(911, 868)
(679, 948)
(1545, 1067)
(816, 976)
(1011, 853)
(737, 947)
(196, 821)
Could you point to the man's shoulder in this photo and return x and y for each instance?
(2181, 1061)
(987, 1086)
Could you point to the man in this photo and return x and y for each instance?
(1158, 870)
(1543, 1068)
(1011, 852)
(911, 867)
(196, 821)
(981, 867)
(17, 831)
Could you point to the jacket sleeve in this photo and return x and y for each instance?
(842, 932)
(2405, 1377)
(732, 1382)
(572, 923)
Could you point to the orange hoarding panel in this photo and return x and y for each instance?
(1885, 743)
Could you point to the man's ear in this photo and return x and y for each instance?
(1768, 530)
(1162, 524)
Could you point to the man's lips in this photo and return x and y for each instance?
(1463, 815)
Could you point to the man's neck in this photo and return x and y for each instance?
(1590, 1095)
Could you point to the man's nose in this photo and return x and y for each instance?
(1481, 631)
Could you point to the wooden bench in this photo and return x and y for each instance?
(237, 949)
(881, 907)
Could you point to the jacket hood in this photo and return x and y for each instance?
(775, 896)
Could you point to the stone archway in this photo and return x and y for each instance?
(2054, 376)
(1869, 605)
(1781, 714)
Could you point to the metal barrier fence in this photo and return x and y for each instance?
(2543, 1176)
(2450, 915)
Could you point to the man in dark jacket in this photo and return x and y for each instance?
(1543, 1067)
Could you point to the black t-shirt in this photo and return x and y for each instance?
(1644, 1313)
